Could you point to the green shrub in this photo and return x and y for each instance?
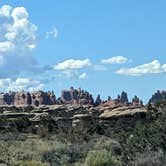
(65, 154)
(100, 158)
(106, 143)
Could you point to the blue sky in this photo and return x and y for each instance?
(86, 30)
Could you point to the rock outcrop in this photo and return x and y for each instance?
(158, 97)
(122, 100)
(43, 98)
(123, 97)
(71, 96)
(136, 101)
(74, 96)
(74, 107)
(126, 114)
(122, 111)
(26, 98)
(111, 104)
(6, 98)
(73, 115)
(98, 100)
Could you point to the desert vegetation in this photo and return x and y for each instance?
(139, 144)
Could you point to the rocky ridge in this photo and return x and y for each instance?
(74, 107)
(71, 96)
(26, 98)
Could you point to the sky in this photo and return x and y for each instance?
(104, 46)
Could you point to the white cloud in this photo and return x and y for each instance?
(83, 76)
(53, 33)
(18, 37)
(6, 46)
(115, 60)
(71, 68)
(153, 67)
(5, 10)
(19, 13)
(72, 64)
(20, 84)
(10, 36)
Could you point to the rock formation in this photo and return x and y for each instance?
(71, 115)
(123, 97)
(136, 101)
(98, 100)
(74, 96)
(27, 98)
(109, 98)
(122, 100)
(158, 97)
(7, 98)
(43, 98)
(71, 96)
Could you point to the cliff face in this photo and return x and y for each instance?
(72, 115)
(26, 98)
(74, 96)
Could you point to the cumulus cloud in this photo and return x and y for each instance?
(53, 33)
(153, 67)
(70, 68)
(115, 60)
(72, 64)
(83, 76)
(19, 84)
(5, 10)
(18, 38)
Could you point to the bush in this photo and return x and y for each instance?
(100, 158)
(65, 154)
(106, 143)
